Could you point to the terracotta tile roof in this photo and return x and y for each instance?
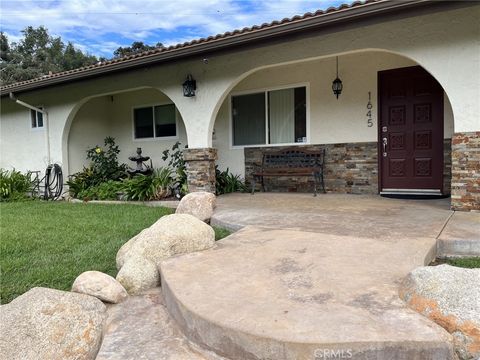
(131, 60)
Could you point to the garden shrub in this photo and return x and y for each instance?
(148, 187)
(103, 167)
(104, 162)
(14, 185)
(81, 181)
(177, 163)
(105, 191)
(226, 182)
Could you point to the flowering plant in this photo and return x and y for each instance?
(104, 162)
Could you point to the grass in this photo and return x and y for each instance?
(220, 233)
(50, 243)
(471, 262)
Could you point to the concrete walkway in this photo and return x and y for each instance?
(359, 215)
(289, 294)
(305, 278)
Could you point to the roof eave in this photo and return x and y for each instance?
(327, 19)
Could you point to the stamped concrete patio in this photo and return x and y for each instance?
(303, 278)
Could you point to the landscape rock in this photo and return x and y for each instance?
(122, 252)
(199, 204)
(449, 296)
(51, 324)
(100, 285)
(172, 235)
(139, 258)
(138, 274)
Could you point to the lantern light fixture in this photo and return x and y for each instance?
(337, 85)
(189, 86)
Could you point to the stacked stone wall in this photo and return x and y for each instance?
(466, 171)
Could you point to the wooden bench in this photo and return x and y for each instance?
(291, 162)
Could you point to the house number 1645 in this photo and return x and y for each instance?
(369, 112)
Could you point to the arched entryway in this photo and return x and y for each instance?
(347, 127)
(145, 118)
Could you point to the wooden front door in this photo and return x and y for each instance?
(410, 132)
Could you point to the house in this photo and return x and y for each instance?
(407, 119)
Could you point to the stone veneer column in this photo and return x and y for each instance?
(466, 171)
(200, 164)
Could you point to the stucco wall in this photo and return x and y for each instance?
(446, 43)
(113, 116)
(89, 128)
(21, 147)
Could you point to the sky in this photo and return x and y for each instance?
(101, 26)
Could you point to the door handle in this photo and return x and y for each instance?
(384, 143)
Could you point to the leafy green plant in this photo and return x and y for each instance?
(148, 187)
(162, 181)
(226, 182)
(103, 168)
(177, 163)
(14, 185)
(104, 162)
(105, 191)
(81, 181)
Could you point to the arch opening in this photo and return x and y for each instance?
(142, 117)
(342, 125)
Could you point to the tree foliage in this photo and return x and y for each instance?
(135, 48)
(37, 54)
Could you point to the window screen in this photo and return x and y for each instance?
(143, 122)
(165, 124)
(281, 116)
(36, 118)
(248, 114)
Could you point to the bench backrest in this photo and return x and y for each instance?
(294, 158)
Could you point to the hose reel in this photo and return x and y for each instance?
(52, 183)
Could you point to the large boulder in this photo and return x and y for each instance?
(138, 274)
(171, 235)
(122, 252)
(199, 204)
(100, 285)
(51, 324)
(450, 296)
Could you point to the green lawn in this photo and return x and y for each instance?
(51, 243)
(469, 262)
(473, 262)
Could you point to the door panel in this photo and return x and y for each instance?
(411, 130)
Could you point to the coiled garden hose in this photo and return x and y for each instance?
(53, 181)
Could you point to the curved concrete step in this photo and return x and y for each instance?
(285, 294)
(140, 328)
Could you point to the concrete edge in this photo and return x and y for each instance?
(226, 225)
(235, 344)
(459, 248)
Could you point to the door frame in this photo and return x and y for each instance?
(379, 125)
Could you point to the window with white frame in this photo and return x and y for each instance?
(270, 117)
(156, 121)
(36, 118)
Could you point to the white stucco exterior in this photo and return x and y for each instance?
(446, 43)
(112, 115)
